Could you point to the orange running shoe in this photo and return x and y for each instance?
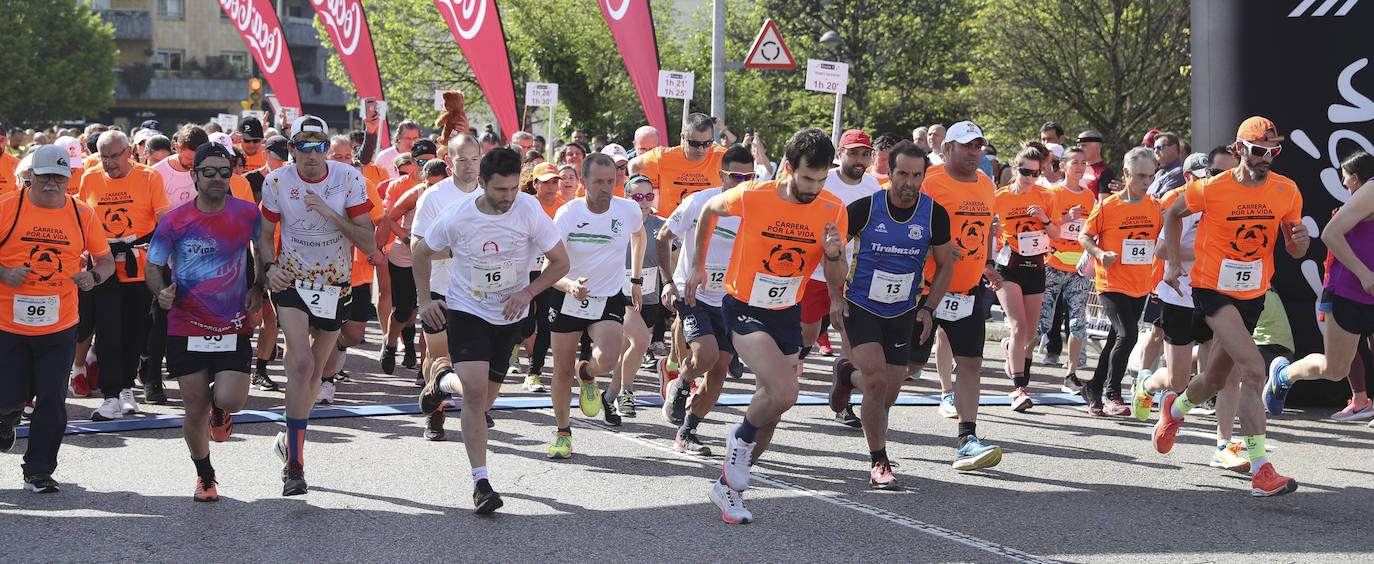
(1166, 430)
(221, 424)
(204, 493)
(1267, 482)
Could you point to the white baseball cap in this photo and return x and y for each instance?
(1056, 149)
(224, 140)
(52, 159)
(143, 134)
(71, 144)
(616, 152)
(963, 132)
(309, 123)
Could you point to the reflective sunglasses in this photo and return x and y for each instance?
(1028, 172)
(311, 146)
(1159, 148)
(213, 171)
(698, 144)
(251, 141)
(642, 197)
(1258, 151)
(738, 176)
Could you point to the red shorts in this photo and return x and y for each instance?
(815, 301)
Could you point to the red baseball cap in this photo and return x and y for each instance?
(1256, 129)
(855, 138)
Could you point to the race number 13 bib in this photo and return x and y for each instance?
(585, 308)
(1239, 276)
(323, 301)
(772, 292)
(217, 343)
(889, 288)
(36, 311)
(1137, 251)
(954, 307)
(489, 278)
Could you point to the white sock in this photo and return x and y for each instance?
(1257, 463)
(449, 384)
(478, 474)
(1223, 443)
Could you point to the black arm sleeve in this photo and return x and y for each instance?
(858, 214)
(939, 225)
(369, 148)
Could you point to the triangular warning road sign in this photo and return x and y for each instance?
(768, 51)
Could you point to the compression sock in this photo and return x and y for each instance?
(876, 455)
(966, 429)
(204, 469)
(295, 440)
(1182, 405)
(1254, 445)
(690, 423)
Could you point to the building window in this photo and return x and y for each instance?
(100, 4)
(238, 60)
(171, 9)
(169, 59)
(299, 9)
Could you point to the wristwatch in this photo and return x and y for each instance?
(96, 277)
(639, 281)
(928, 309)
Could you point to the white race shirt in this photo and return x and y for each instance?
(683, 223)
(438, 199)
(848, 194)
(180, 187)
(314, 250)
(596, 243)
(492, 250)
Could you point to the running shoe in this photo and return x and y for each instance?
(408, 361)
(1116, 405)
(77, 386)
(649, 361)
(626, 405)
(279, 447)
(1355, 411)
(221, 424)
(839, 392)
(342, 377)
(1166, 429)
(108, 411)
(264, 382)
(608, 411)
(731, 504)
(490, 422)
(154, 393)
(847, 418)
(1208, 407)
(532, 384)
(1232, 457)
(1276, 388)
(326, 395)
(1050, 359)
(1021, 400)
(1141, 400)
(1267, 482)
(205, 493)
(738, 454)
(127, 403)
(589, 396)
(388, 359)
(947, 409)
(975, 455)
(562, 446)
(293, 480)
(823, 344)
(432, 397)
(689, 443)
(675, 407)
(736, 368)
(880, 476)
(7, 433)
(664, 377)
(40, 483)
(484, 500)
(419, 380)
(1072, 385)
(434, 426)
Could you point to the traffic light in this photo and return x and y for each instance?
(255, 93)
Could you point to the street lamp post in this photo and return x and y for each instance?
(831, 40)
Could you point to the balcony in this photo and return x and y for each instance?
(129, 24)
(299, 31)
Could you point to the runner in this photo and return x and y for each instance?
(1071, 202)
(1120, 235)
(208, 303)
(968, 197)
(544, 186)
(48, 233)
(1023, 212)
(638, 321)
(895, 231)
(492, 237)
(596, 230)
(407, 133)
(129, 200)
(322, 207)
(786, 227)
(252, 143)
(276, 151)
(679, 171)
(403, 296)
(701, 335)
(1246, 212)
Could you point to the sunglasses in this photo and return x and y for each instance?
(421, 162)
(311, 146)
(213, 171)
(738, 176)
(642, 197)
(1161, 147)
(1028, 171)
(1258, 151)
(251, 141)
(698, 144)
(623, 167)
(1214, 171)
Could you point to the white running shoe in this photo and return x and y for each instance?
(731, 504)
(532, 384)
(326, 395)
(735, 468)
(127, 403)
(279, 446)
(947, 409)
(109, 410)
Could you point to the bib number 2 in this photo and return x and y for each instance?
(323, 302)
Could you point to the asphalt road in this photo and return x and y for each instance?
(1071, 487)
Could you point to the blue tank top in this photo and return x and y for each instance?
(886, 275)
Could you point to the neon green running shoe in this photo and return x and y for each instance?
(562, 446)
(589, 398)
(1142, 400)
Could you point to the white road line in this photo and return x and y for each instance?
(889, 516)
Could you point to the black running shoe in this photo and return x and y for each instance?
(484, 500)
(264, 382)
(388, 359)
(1072, 385)
(432, 398)
(409, 360)
(689, 443)
(608, 410)
(434, 426)
(40, 483)
(848, 419)
(293, 479)
(154, 393)
(490, 422)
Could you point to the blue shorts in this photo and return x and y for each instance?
(702, 320)
(783, 325)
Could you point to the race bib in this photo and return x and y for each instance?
(487, 278)
(1032, 243)
(217, 343)
(540, 261)
(650, 285)
(772, 292)
(889, 288)
(585, 308)
(1137, 251)
(323, 301)
(1070, 230)
(954, 307)
(1238, 276)
(715, 277)
(36, 311)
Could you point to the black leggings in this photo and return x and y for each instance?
(402, 292)
(542, 326)
(1124, 313)
(121, 330)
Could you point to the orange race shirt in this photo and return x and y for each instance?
(254, 162)
(675, 177)
(363, 270)
(91, 161)
(374, 173)
(1067, 251)
(1131, 230)
(127, 208)
(50, 243)
(389, 191)
(550, 210)
(1014, 217)
(970, 207)
(1239, 229)
(778, 244)
(241, 189)
(8, 181)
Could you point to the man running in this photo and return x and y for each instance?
(1245, 214)
(208, 347)
(492, 238)
(895, 231)
(678, 172)
(786, 228)
(322, 207)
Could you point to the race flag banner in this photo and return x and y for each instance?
(257, 22)
(632, 26)
(347, 26)
(476, 26)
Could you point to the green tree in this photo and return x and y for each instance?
(1116, 66)
(60, 59)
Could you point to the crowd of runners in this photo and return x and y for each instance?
(190, 254)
